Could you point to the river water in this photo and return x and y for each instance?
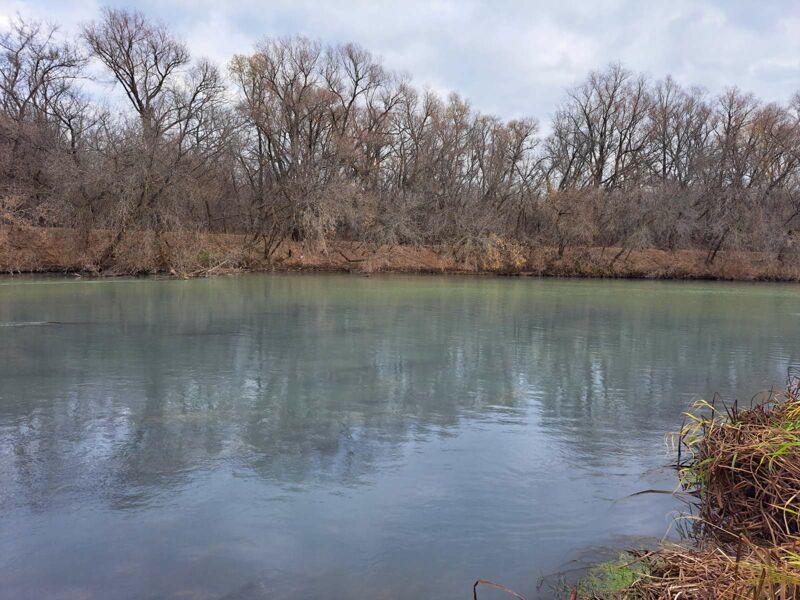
(334, 436)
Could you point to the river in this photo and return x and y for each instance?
(335, 436)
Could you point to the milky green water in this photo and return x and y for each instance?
(346, 437)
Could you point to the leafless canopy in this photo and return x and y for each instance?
(301, 140)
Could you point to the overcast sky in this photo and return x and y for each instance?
(508, 57)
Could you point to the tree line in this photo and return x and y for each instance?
(299, 140)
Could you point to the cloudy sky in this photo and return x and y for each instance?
(509, 57)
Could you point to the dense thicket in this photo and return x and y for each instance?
(299, 140)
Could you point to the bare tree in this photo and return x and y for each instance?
(599, 135)
(37, 72)
(177, 108)
(315, 144)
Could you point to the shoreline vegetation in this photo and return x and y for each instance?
(26, 249)
(743, 468)
(300, 155)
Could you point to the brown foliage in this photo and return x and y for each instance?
(745, 465)
(714, 573)
(324, 144)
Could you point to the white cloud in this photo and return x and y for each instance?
(508, 57)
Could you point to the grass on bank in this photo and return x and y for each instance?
(26, 249)
(743, 466)
(701, 572)
(613, 577)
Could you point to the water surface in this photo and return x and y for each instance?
(347, 437)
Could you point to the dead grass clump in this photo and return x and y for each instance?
(702, 574)
(491, 253)
(745, 467)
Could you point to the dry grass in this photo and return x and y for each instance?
(703, 574)
(191, 254)
(744, 467)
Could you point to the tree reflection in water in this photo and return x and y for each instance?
(464, 407)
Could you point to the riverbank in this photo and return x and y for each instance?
(190, 254)
(743, 466)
